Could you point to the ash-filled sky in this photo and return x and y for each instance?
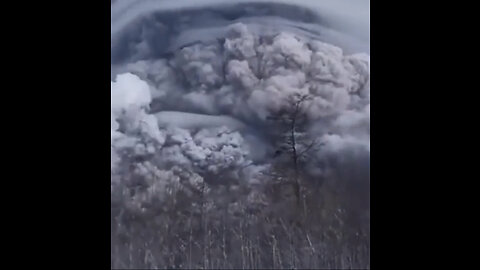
(193, 82)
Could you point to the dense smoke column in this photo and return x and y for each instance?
(200, 176)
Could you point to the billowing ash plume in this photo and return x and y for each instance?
(239, 80)
(194, 89)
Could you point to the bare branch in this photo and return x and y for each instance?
(308, 148)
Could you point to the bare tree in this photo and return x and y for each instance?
(293, 142)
